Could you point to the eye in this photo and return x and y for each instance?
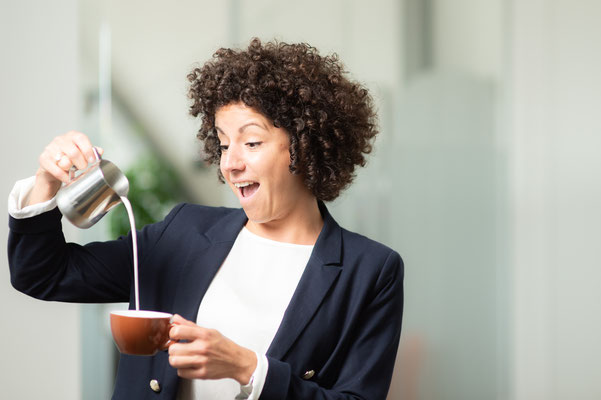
(223, 147)
(253, 145)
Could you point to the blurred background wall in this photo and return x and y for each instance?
(39, 98)
(485, 176)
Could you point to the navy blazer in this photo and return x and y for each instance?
(343, 321)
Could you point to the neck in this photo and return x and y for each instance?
(301, 227)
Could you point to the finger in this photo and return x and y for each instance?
(179, 320)
(169, 343)
(187, 361)
(177, 348)
(57, 156)
(193, 373)
(64, 162)
(84, 145)
(48, 163)
(73, 153)
(186, 332)
(198, 347)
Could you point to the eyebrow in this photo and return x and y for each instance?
(243, 127)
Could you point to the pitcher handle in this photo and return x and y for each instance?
(72, 170)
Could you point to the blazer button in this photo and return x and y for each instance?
(308, 375)
(154, 385)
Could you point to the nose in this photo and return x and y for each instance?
(232, 160)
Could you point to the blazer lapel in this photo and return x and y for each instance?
(212, 248)
(209, 251)
(321, 272)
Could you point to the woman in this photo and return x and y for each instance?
(274, 300)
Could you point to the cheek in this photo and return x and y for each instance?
(280, 171)
(283, 158)
(288, 182)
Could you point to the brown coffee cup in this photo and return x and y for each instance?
(140, 332)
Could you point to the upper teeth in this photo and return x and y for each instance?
(243, 184)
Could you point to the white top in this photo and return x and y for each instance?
(245, 301)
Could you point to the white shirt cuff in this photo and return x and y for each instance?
(19, 196)
(253, 390)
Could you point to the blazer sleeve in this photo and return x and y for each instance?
(367, 369)
(43, 265)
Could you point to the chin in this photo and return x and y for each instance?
(258, 217)
(254, 215)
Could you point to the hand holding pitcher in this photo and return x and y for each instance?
(58, 157)
(91, 185)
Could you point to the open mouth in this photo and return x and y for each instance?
(247, 189)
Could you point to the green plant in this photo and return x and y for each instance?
(154, 188)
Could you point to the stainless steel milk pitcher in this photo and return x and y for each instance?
(91, 192)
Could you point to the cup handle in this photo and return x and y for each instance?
(169, 341)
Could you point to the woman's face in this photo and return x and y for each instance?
(254, 162)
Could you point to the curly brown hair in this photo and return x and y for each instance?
(330, 119)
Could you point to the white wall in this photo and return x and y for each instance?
(555, 60)
(38, 99)
(468, 36)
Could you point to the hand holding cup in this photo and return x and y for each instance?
(202, 353)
